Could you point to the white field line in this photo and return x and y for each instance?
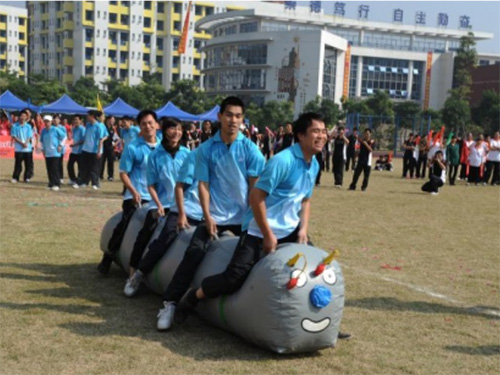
(425, 290)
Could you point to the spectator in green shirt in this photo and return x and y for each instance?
(453, 159)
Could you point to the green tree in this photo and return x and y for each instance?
(328, 108)
(254, 114)
(84, 92)
(407, 113)
(465, 62)
(45, 90)
(487, 113)
(188, 96)
(275, 113)
(380, 104)
(16, 85)
(456, 112)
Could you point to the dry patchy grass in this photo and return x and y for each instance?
(438, 314)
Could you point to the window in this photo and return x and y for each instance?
(22, 21)
(175, 43)
(198, 10)
(159, 61)
(89, 34)
(112, 55)
(147, 40)
(248, 27)
(133, 37)
(21, 36)
(98, 33)
(89, 70)
(161, 7)
(89, 15)
(123, 38)
(146, 59)
(112, 36)
(125, 3)
(175, 61)
(177, 8)
(147, 22)
(3, 18)
(177, 25)
(147, 5)
(123, 57)
(88, 53)
(160, 25)
(159, 44)
(113, 3)
(124, 19)
(98, 14)
(112, 18)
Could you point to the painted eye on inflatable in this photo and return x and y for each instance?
(329, 276)
(297, 279)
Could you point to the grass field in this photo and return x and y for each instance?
(422, 287)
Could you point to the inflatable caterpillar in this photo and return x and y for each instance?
(291, 302)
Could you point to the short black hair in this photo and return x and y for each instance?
(340, 128)
(56, 115)
(146, 112)
(108, 117)
(95, 113)
(23, 111)
(368, 130)
(234, 101)
(303, 122)
(438, 152)
(355, 129)
(168, 122)
(78, 116)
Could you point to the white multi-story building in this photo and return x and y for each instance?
(13, 40)
(121, 40)
(274, 53)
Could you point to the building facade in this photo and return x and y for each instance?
(274, 53)
(14, 40)
(123, 40)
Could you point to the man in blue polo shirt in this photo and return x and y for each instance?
(133, 171)
(76, 149)
(280, 209)
(52, 141)
(129, 132)
(227, 167)
(163, 167)
(22, 134)
(95, 135)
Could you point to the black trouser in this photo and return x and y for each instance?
(108, 157)
(452, 173)
(142, 240)
(52, 165)
(338, 171)
(327, 162)
(366, 169)
(128, 209)
(19, 158)
(495, 167)
(351, 156)
(90, 168)
(408, 165)
(433, 185)
(200, 242)
(60, 166)
(319, 158)
(74, 158)
(421, 166)
(474, 175)
(463, 171)
(159, 247)
(247, 253)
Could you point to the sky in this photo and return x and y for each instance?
(484, 15)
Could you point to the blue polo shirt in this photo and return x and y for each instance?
(51, 139)
(162, 173)
(23, 133)
(288, 179)
(93, 134)
(78, 136)
(192, 206)
(227, 170)
(129, 135)
(134, 162)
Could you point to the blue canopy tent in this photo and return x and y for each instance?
(170, 110)
(210, 115)
(64, 105)
(10, 102)
(120, 108)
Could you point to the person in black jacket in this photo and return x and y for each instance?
(108, 153)
(351, 150)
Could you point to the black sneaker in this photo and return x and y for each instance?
(344, 336)
(352, 188)
(105, 264)
(185, 306)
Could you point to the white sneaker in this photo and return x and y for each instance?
(62, 181)
(82, 186)
(55, 188)
(14, 181)
(95, 187)
(71, 182)
(133, 284)
(76, 186)
(166, 316)
(27, 181)
(434, 193)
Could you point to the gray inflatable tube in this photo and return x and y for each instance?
(292, 301)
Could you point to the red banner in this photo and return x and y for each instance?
(185, 30)
(428, 80)
(347, 68)
(7, 149)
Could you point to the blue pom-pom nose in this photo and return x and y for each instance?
(320, 296)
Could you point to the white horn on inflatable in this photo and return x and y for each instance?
(292, 301)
